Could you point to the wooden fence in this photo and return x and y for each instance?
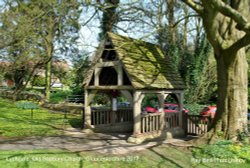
(172, 120)
(192, 124)
(150, 122)
(106, 116)
(196, 124)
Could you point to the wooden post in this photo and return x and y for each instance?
(87, 110)
(119, 74)
(97, 74)
(128, 96)
(114, 109)
(185, 118)
(161, 99)
(138, 96)
(180, 101)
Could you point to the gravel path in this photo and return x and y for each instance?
(75, 140)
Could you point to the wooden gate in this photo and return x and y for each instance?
(197, 124)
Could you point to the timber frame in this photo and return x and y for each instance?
(134, 69)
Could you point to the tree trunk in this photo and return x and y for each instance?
(225, 33)
(48, 79)
(171, 21)
(185, 29)
(231, 115)
(49, 49)
(109, 18)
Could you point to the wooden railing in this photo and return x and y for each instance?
(150, 122)
(196, 124)
(102, 116)
(124, 115)
(171, 120)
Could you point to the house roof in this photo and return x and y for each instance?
(145, 64)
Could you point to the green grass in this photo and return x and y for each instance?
(162, 156)
(15, 122)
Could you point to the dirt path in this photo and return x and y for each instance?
(75, 140)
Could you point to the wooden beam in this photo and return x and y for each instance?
(107, 64)
(97, 75)
(163, 91)
(119, 74)
(87, 110)
(111, 87)
(138, 97)
(180, 98)
(128, 95)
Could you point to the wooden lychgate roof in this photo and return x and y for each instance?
(144, 63)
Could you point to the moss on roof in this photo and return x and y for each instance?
(145, 64)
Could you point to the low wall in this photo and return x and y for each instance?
(8, 94)
(114, 128)
(65, 107)
(160, 135)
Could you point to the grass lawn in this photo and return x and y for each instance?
(16, 122)
(162, 156)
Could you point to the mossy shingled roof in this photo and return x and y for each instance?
(145, 64)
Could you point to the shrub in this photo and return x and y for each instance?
(223, 149)
(194, 108)
(38, 81)
(59, 96)
(77, 90)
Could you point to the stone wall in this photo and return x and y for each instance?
(65, 107)
(8, 94)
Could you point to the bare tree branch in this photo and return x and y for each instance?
(180, 20)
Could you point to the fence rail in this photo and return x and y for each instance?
(102, 116)
(172, 120)
(153, 122)
(197, 125)
(150, 122)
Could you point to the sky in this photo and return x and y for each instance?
(88, 40)
(89, 33)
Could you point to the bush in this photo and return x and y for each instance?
(223, 149)
(38, 81)
(59, 96)
(194, 108)
(77, 90)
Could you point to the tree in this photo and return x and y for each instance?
(59, 26)
(41, 30)
(80, 66)
(21, 44)
(228, 30)
(109, 17)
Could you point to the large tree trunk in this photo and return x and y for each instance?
(226, 24)
(232, 95)
(49, 49)
(171, 21)
(231, 116)
(109, 17)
